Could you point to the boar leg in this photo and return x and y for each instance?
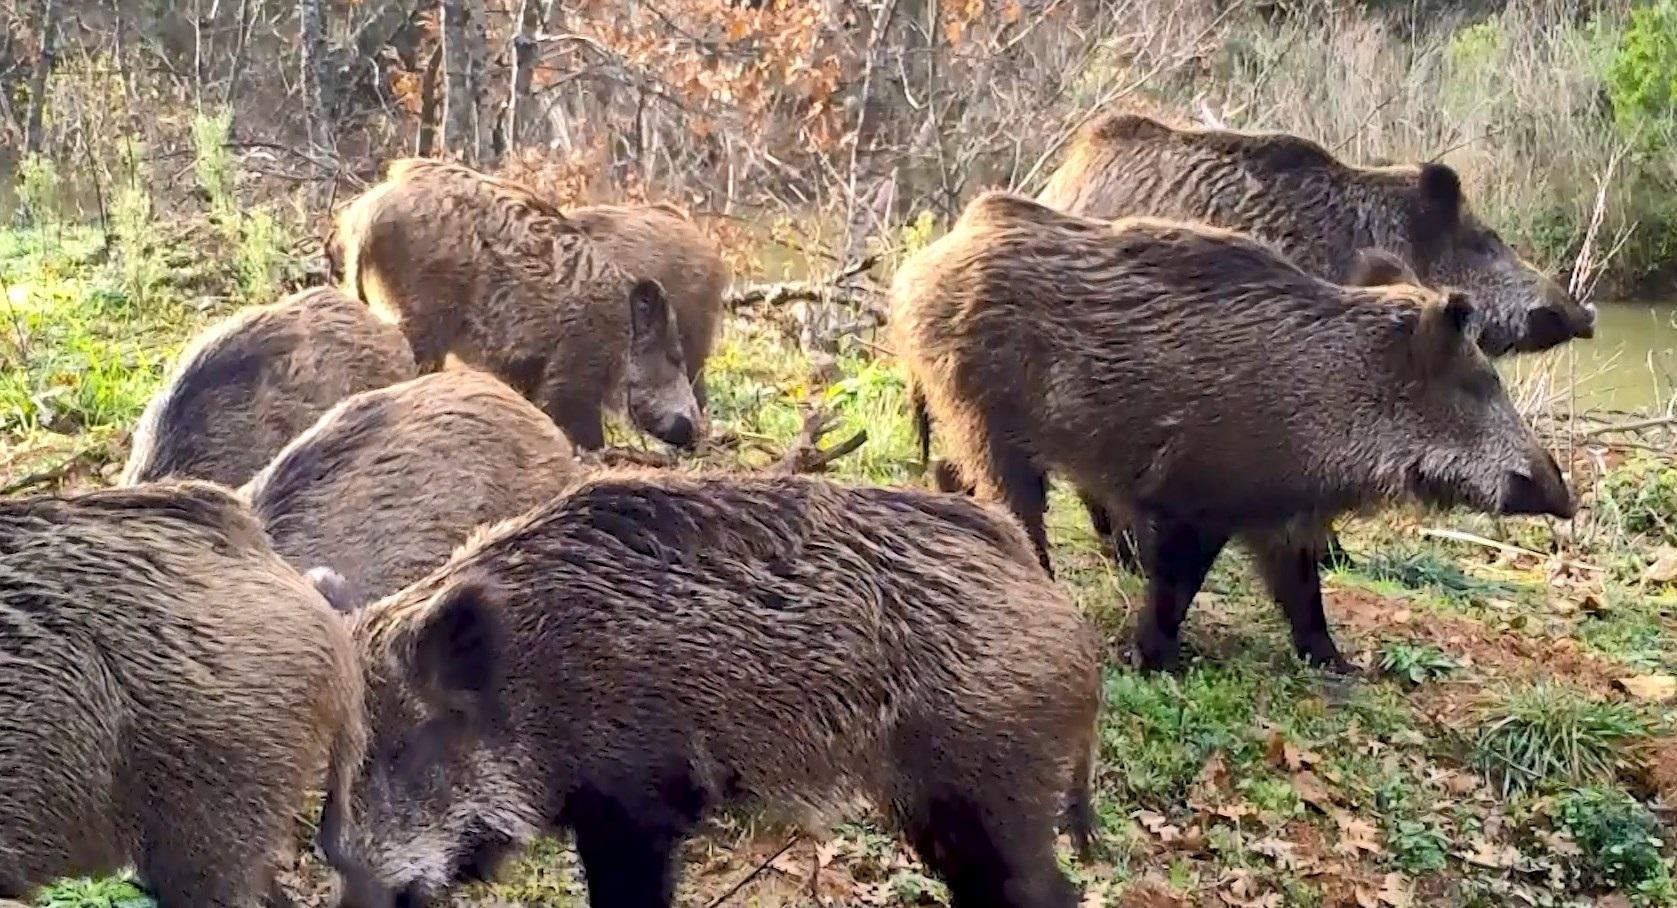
(1289, 569)
(1023, 486)
(628, 845)
(580, 419)
(990, 855)
(1177, 557)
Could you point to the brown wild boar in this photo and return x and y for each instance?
(646, 648)
(487, 271)
(389, 482)
(1318, 211)
(1372, 268)
(250, 383)
(169, 690)
(659, 242)
(1197, 377)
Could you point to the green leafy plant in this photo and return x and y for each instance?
(111, 892)
(1642, 79)
(1416, 664)
(1641, 496)
(1619, 838)
(1417, 846)
(1550, 734)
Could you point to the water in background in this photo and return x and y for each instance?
(1631, 363)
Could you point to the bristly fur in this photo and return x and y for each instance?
(169, 690)
(1319, 212)
(480, 269)
(250, 383)
(678, 643)
(1197, 375)
(388, 483)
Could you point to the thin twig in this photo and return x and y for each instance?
(796, 838)
(1475, 539)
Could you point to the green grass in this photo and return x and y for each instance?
(1622, 844)
(1548, 735)
(98, 330)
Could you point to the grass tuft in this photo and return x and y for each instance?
(1549, 735)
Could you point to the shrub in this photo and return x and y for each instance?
(1642, 79)
(1619, 838)
(1551, 734)
(1641, 497)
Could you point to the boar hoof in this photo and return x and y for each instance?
(1157, 654)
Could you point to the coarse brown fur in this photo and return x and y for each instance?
(649, 647)
(482, 269)
(389, 482)
(1318, 211)
(250, 383)
(658, 242)
(1196, 376)
(169, 690)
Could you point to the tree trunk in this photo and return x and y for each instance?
(43, 68)
(465, 46)
(427, 145)
(312, 35)
(518, 110)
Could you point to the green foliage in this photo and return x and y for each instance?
(37, 189)
(1421, 568)
(1641, 497)
(1642, 79)
(1416, 664)
(215, 166)
(1417, 846)
(1551, 734)
(1620, 840)
(260, 254)
(112, 892)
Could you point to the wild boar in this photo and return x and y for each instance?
(1319, 212)
(659, 242)
(389, 482)
(1196, 377)
(169, 690)
(250, 383)
(646, 648)
(486, 271)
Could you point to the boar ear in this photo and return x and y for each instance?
(458, 651)
(648, 309)
(1441, 197)
(1441, 329)
(1377, 267)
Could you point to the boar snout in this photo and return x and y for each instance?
(1539, 490)
(677, 430)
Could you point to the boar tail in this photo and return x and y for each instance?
(922, 422)
(1080, 802)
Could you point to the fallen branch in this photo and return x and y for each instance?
(806, 454)
(1634, 426)
(1473, 539)
(796, 838)
(835, 289)
(51, 475)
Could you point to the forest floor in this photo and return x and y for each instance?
(1512, 739)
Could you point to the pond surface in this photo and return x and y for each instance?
(1630, 364)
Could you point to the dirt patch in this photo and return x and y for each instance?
(1499, 654)
(1660, 771)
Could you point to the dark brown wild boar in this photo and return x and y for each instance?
(648, 648)
(169, 690)
(482, 269)
(1319, 212)
(250, 383)
(389, 482)
(1198, 377)
(658, 242)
